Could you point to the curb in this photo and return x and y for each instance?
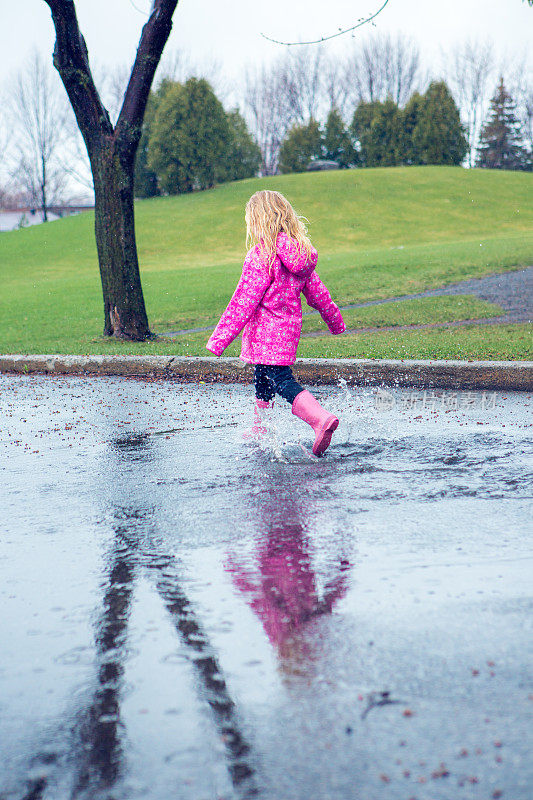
(493, 375)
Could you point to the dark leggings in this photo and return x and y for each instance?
(270, 380)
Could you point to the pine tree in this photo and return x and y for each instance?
(438, 136)
(145, 178)
(376, 126)
(360, 128)
(338, 145)
(244, 156)
(382, 146)
(500, 144)
(190, 138)
(302, 144)
(407, 120)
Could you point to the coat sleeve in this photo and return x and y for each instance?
(254, 282)
(317, 296)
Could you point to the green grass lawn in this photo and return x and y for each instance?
(379, 232)
(498, 342)
(412, 312)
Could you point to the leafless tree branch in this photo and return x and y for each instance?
(153, 39)
(360, 22)
(71, 60)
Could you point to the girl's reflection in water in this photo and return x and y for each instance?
(281, 586)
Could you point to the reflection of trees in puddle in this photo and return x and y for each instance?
(281, 587)
(282, 591)
(98, 749)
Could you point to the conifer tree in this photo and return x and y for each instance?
(377, 129)
(302, 144)
(407, 120)
(338, 145)
(244, 156)
(500, 144)
(360, 128)
(145, 178)
(384, 136)
(438, 136)
(190, 138)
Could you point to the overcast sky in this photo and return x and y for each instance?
(229, 32)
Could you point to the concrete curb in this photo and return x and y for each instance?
(491, 375)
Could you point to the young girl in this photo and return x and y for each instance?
(266, 306)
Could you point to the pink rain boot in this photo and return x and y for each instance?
(258, 429)
(322, 422)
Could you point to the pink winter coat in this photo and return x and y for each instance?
(267, 306)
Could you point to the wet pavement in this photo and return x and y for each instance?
(187, 615)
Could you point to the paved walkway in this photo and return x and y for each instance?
(511, 290)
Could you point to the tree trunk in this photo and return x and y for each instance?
(44, 204)
(112, 156)
(124, 310)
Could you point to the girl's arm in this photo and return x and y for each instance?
(254, 282)
(318, 297)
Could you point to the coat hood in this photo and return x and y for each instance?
(293, 258)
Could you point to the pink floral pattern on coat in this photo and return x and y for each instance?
(267, 308)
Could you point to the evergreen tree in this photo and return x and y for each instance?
(145, 178)
(500, 144)
(377, 128)
(360, 128)
(407, 119)
(338, 145)
(244, 156)
(302, 144)
(438, 136)
(189, 139)
(384, 136)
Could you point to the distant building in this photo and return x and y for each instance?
(23, 217)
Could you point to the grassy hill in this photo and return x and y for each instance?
(379, 232)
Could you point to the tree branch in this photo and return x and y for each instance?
(153, 39)
(72, 62)
(360, 22)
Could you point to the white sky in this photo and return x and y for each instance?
(229, 32)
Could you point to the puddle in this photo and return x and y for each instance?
(190, 615)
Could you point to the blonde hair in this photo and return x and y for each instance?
(269, 213)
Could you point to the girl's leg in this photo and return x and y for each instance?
(284, 383)
(264, 394)
(264, 386)
(306, 407)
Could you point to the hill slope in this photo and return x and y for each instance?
(379, 232)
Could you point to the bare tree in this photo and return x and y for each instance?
(527, 116)
(404, 73)
(520, 84)
(301, 74)
(470, 72)
(289, 90)
(111, 150)
(178, 65)
(269, 109)
(336, 89)
(38, 114)
(383, 66)
(7, 141)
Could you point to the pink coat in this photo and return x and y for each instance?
(267, 306)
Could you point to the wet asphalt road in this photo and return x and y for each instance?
(185, 615)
